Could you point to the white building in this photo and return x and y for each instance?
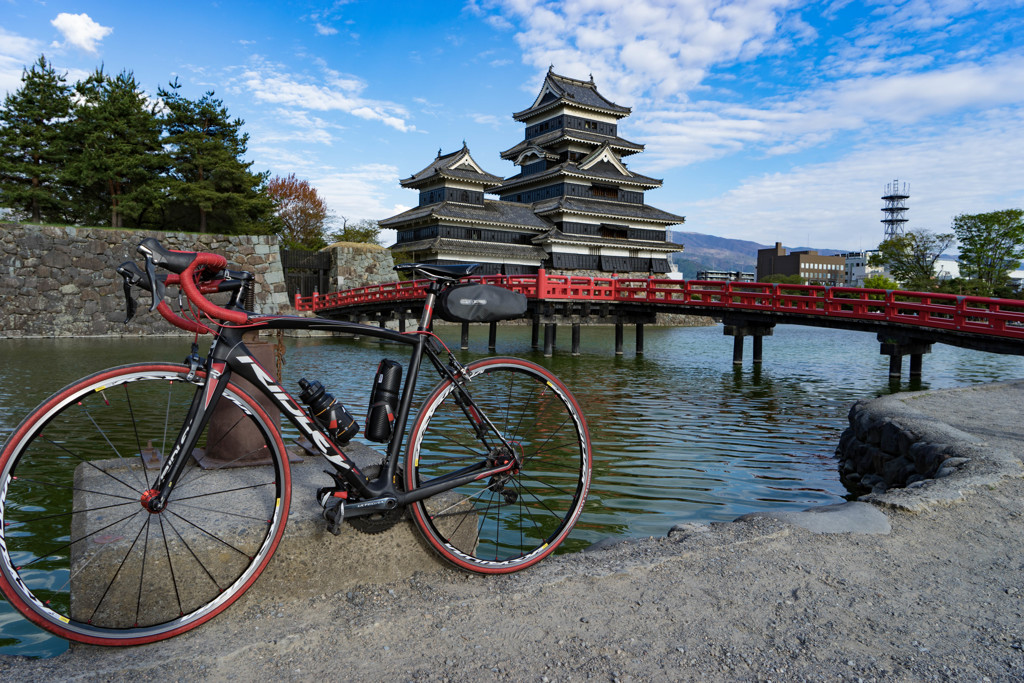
(858, 270)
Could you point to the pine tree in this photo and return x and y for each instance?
(32, 135)
(117, 160)
(208, 175)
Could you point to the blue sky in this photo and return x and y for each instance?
(769, 120)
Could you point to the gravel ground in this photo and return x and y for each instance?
(939, 597)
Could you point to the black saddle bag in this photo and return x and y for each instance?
(476, 303)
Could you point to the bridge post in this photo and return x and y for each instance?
(549, 339)
(618, 339)
(737, 349)
(738, 328)
(401, 322)
(898, 346)
(492, 337)
(535, 334)
(895, 366)
(639, 339)
(465, 337)
(576, 339)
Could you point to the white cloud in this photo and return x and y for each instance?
(679, 134)
(326, 30)
(16, 52)
(332, 92)
(811, 204)
(80, 30)
(357, 192)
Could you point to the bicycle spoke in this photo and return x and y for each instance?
(93, 563)
(170, 567)
(518, 517)
(135, 429)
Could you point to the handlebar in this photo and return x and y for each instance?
(196, 273)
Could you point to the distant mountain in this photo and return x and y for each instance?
(707, 252)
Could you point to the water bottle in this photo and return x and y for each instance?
(383, 401)
(328, 413)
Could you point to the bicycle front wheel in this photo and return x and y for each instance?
(84, 558)
(510, 521)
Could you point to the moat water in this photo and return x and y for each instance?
(679, 434)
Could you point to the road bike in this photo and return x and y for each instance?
(141, 501)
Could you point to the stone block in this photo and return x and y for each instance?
(890, 437)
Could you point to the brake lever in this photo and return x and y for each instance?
(151, 274)
(129, 301)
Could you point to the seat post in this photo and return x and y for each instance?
(428, 306)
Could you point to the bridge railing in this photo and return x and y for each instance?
(1000, 317)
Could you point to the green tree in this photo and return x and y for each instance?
(32, 136)
(879, 281)
(363, 230)
(911, 257)
(116, 160)
(303, 214)
(786, 279)
(991, 245)
(208, 176)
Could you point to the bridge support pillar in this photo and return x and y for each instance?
(465, 337)
(897, 347)
(535, 334)
(916, 362)
(549, 340)
(737, 350)
(492, 337)
(738, 329)
(575, 339)
(618, 339)
(639, 339)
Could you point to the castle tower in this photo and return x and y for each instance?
(574, 207)
(571, 171)
(895, 209)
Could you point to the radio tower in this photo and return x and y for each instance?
(894, 209)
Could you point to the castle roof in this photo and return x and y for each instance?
(458, 165)
(475, 249)
(621, 146)
(602, 171)
(496, 213)
(555, 236)
(605, 209)
(560, 90)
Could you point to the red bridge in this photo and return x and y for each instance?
(907, 323)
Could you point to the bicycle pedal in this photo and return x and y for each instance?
(335, 516)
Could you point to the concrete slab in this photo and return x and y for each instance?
(309, 559)
(852, 518)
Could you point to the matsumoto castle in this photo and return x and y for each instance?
(574, 207)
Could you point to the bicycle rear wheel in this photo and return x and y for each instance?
(511, 521)
(83, 558)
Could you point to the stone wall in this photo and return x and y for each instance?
(879, 451)
(61, 281)
(354, 264)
